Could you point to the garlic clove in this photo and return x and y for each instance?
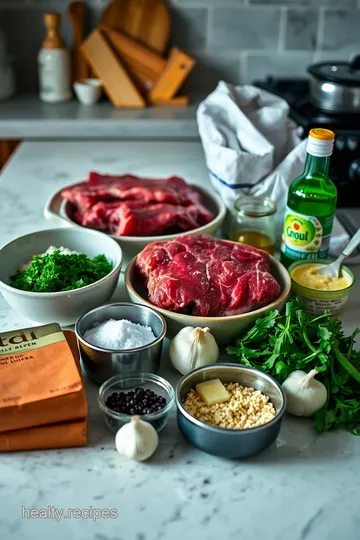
(192, 348)
(304, 394)
(137, 439)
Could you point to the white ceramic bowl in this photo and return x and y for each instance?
(88, 91)
(224, 329)
(61, 307)
(62, 211)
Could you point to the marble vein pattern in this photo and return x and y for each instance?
(305, 487)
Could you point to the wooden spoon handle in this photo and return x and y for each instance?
(77, 16)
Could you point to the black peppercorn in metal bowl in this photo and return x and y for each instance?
(143, 394)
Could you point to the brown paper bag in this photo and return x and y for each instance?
(64, 435)
(39, 380)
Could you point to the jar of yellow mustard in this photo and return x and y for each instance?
(320, 292)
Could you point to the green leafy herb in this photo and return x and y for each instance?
(280, 343)
(57, 272)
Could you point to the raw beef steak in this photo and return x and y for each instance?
(173, 190)
(132, 218)
(131, 206)
(201, 275)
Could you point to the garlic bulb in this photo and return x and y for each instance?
(192, 348)
(137, 439)
(305, 395)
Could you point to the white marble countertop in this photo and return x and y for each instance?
(26, 117)
(305, 487)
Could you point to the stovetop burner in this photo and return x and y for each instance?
(345, 161)
(289, 89)
(296, 93)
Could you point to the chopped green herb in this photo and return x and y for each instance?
(57, 272)
(280, 343)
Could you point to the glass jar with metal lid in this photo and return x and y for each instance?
(253, 222)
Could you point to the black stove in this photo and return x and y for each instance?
(345, 161)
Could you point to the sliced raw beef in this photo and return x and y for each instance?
(131, 206)
(173, 190)
(131, 218)
(98, 216)
(200, 275)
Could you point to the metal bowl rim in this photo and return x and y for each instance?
(136, 349)
(219, 430)
(151, 377)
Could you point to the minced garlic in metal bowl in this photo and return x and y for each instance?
(246, 408)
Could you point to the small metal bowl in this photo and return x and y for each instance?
(160, 386)
(99, 363)
(230, 443)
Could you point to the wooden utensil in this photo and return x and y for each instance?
(146, 20)
(6, 149)
(77, 15)
(178, 101)
(117, 84)
(177, 69)
(142, 63)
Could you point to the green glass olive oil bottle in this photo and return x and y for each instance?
(311, 204)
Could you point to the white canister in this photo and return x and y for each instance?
(54, 64)
(54, 75)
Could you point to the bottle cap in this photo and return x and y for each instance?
(320, 142)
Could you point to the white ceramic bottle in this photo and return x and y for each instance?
(54, 63)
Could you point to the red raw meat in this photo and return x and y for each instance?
(130, 206)
(98, 216)
(173, 190)
(131, 218)
(201, 275)
(173, 187)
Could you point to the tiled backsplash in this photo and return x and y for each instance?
(235, 40)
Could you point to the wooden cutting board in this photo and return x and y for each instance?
(146, 20)
(172, 78)
(144, 65)
(107, 66)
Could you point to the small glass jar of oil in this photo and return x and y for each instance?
(253, 222)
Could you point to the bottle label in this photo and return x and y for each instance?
(306, 237)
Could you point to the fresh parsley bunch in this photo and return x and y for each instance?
(280, 343)
(57, 272)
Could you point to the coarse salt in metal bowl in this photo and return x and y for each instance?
(101, 363)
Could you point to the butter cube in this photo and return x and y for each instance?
(212, 392)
